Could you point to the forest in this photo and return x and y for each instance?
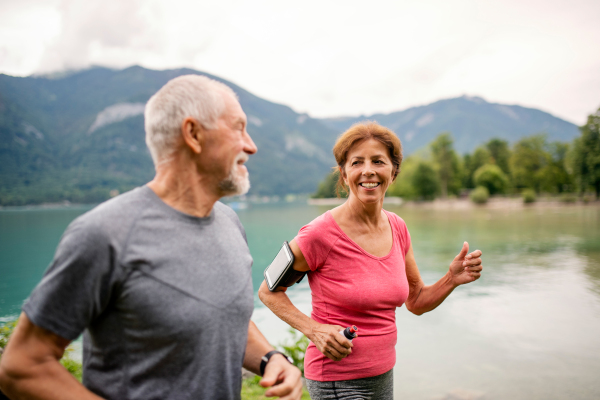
(532, 166)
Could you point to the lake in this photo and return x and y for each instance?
(528, 329)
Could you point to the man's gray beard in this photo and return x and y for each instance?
(234, 185)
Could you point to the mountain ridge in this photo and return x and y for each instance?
(459, 117)
(79, 136)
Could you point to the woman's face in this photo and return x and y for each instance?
(368, 170)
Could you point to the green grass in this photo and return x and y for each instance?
(251, 390)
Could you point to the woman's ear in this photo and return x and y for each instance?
(343, 175)
(192, 133)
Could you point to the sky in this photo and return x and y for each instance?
(329, 58)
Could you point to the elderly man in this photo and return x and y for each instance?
(158, 279)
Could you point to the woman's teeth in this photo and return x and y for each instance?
(369, 185)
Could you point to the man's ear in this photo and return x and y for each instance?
(192, 133)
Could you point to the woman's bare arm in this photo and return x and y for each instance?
(326, 337)
(465, 268)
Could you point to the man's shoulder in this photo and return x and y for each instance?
(223, 208)
(113, 214)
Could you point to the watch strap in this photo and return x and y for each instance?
(265, 359)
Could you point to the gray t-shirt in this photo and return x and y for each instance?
(164, 299)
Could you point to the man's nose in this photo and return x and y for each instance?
(249, 146)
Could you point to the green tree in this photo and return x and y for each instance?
(585, 157)
(554, 176)
(500, 153)
(480, 157)
(491, 177)
(327, 187)
(528, 160)
(402, 186)
(425, 181)
(448, 166)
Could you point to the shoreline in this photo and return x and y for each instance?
(494, 203)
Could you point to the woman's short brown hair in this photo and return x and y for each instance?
(363, 131)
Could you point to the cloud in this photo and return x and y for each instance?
(328, 58)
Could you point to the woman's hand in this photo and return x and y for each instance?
(466, 268)
(330, 341)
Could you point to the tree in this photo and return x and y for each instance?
(480, 157)
(491, 177)
(447, 163)
(402, 186)
(554, 176)
(585, 157)
(527, 161)
(500, 153)
(327, 187)
(425, 181)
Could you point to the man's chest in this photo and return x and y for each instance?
(181, 283)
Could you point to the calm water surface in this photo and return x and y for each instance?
(528, 329)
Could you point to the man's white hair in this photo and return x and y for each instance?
(195, 96)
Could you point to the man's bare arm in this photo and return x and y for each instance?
(30, 367)
(280, 375)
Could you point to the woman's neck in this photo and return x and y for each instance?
(354, 211)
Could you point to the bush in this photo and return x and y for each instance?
(480, 195)
(296, 348)
(492, 177)
(568, 198)
(528, 196)
(251, 390)
(5, 331)
(73, 366)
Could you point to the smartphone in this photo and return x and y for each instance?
(281, 268)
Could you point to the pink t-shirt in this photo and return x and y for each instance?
(352, 287)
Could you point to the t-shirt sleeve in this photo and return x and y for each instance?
(403, 233)
(78, 284)
(406, 238)
(315, 241)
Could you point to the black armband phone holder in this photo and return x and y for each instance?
(281, 272)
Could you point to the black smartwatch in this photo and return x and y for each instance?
(265, 359)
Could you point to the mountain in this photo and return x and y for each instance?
(78, 136)
(471, 120)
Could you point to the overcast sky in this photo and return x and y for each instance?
(329, 58)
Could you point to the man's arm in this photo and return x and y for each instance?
(30, 367)
(278, 373)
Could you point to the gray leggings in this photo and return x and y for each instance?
(380, 387)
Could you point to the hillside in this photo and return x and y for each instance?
(471, 120)
(78, 136)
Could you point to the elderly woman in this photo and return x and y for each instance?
(361, 267)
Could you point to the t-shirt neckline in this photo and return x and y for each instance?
(176, 213)
(335, 224)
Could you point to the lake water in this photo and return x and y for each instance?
(528, 329)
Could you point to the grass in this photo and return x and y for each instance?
(251, 390)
